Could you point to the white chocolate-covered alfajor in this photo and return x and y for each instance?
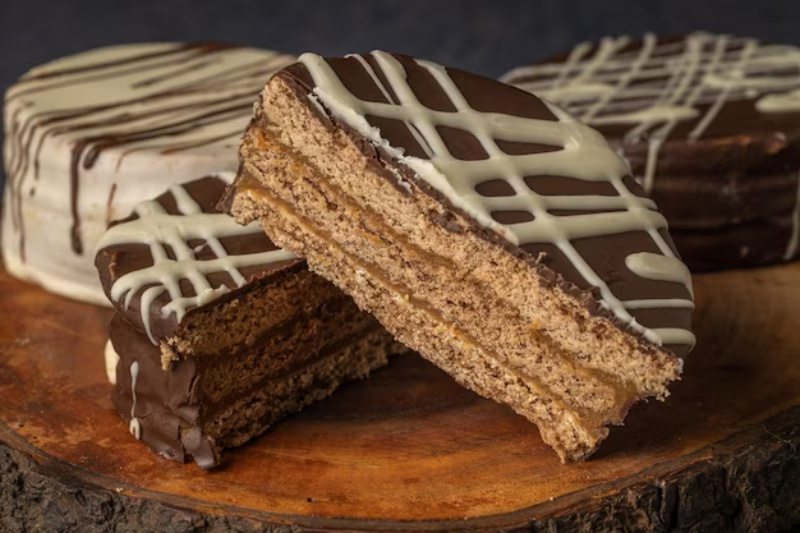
(89, 136)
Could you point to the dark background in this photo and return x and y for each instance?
(487, 36)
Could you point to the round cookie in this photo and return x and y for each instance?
(710, 124)
(89, 136)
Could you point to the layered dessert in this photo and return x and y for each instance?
(483, 227)
(217, 332)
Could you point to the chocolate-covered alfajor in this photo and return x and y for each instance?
(89, 136)
(217, 332)
(711, 126)
(483, 227)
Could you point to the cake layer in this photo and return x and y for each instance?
(711, 125)
(411, 215)
(350, 359)
(421, 327)
(472, 303)
(89, 136)
(282, 348)
(168, 410)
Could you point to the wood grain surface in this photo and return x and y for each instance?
(410, 449)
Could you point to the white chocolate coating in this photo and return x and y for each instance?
(107, 129)
(585, 156)
(111, 359)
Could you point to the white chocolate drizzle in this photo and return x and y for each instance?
(158, 229)
(660, 267)
(111, 359)
(585, 155)
(134, 426)
(655, 86)
(780, 103)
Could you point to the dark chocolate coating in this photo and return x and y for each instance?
(113, 262)
(606, 254)
(181, 413)
(730, 195)
(167, 403)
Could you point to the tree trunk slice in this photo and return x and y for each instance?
(408, 448)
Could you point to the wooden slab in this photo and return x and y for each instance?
(409, 449)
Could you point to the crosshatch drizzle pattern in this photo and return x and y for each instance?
(584, 155)
(174, 260)
(652, 86)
